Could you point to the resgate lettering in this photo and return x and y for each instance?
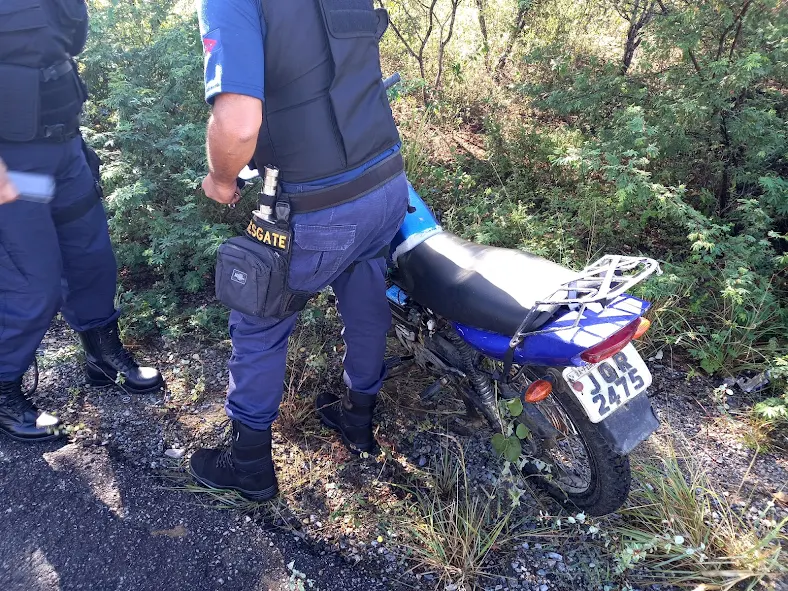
(267, 236)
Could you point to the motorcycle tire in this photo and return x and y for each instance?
(609, 473)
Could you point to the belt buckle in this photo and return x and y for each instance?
(56, 132)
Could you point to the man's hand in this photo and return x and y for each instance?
(232, 137)
(8, 191)
(221, 192)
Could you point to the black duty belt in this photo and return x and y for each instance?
(56, 71)
(371, 179)
(60, 132)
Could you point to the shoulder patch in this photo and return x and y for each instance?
(211, 41)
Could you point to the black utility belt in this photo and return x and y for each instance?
(252, 272)
(373, 178)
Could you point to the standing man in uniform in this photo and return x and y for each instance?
(56, 256)
(297, 85)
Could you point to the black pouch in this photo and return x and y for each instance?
(252, 272)
(20, 98)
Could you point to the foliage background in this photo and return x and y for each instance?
(568, 128)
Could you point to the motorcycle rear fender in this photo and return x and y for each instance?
(629, 425)
(561, 347)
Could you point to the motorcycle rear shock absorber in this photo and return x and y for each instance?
(482, 385)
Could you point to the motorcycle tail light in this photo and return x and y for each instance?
(643, 327)
(612, 345)
(538, 391)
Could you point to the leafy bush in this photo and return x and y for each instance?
(147, 115)
(682, 157)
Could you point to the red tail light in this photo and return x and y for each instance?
(612, 345)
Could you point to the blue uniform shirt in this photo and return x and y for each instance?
(233, 37)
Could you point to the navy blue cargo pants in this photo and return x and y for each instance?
(46, 267)
(325, 245)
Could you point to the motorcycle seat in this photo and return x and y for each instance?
(485, 287)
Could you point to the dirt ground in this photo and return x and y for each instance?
(340, 520)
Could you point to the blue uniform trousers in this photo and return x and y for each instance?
(325, 244)
(45, 267)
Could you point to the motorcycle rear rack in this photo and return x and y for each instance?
(601, 282)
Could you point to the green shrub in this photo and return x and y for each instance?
(147, 116)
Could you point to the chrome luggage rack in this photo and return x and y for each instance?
(600, 282)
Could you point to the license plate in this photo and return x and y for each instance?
(607, 386)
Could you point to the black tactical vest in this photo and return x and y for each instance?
(325, 110)
(41, 94)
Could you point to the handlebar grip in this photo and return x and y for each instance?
(391, 80)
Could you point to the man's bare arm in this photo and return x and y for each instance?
(232, 137)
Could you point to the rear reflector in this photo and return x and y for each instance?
(612, 345)
(538, 391)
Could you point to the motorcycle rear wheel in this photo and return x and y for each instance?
(603, 482)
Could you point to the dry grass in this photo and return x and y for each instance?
(679, 530)
(451, 529)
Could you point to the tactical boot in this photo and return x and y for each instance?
(246, 466)
(19, 417)
(106, 357)
(351, 416)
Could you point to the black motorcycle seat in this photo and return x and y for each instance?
(485, 287)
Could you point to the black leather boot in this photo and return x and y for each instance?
(20, 419)
(351, 416)
(246, 466)
(106, 357)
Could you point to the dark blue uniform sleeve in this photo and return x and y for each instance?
(233, 36)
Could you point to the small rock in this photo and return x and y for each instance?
(555, 556)
(543, 587)
(422, 463)
(175, 453)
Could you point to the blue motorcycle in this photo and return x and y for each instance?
(542, 352)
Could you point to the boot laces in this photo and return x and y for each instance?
(120, 357)
(225, 459)
(13, 397)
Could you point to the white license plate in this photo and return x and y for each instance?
(607, 386)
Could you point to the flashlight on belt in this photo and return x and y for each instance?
(267, 199)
